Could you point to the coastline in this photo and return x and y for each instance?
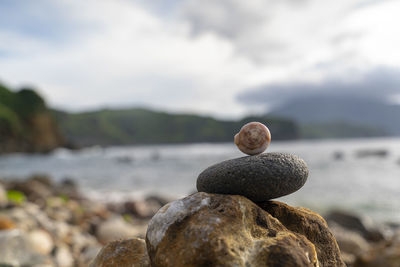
(55, 224)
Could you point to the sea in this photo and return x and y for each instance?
(361, 176)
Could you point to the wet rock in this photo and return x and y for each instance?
(338, 155)
(131, 252)
(259, 178)
(225, 230)
(116, 228)
(364, 153)
(355, 223)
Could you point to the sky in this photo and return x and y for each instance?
(207, 57)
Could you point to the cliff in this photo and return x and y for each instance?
(26, 124)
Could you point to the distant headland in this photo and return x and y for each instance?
(27, 124)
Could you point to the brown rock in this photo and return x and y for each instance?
(356, 223)
(131, 252)
(386, 254)
(309, 224)
(229, 230)
(6, 223)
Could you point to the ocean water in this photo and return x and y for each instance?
(339, 176)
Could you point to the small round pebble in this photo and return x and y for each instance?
(259, 178)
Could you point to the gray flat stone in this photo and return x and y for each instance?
(259, 178)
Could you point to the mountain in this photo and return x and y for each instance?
(142, 126)
(373, 117)
(26, 125)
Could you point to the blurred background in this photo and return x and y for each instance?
(126, 99)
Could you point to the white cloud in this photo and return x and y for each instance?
(119, 52)
(300, 35)
(130, 57)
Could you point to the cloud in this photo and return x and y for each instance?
(380, 84)
(124, 55)
(186, 55)
(297, 32)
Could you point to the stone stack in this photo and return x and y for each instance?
(232, 221)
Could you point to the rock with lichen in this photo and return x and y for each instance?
(229, 230)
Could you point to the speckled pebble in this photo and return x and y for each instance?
(259, 178)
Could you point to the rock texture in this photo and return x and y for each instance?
(230, 230)
(309, 224)
(259, 178)
(131, 252)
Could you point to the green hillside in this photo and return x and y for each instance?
(142, 126)
(339, 129)
(25, 122)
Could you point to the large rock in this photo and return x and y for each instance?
(259, 178)
(131, 252)
(229, 230)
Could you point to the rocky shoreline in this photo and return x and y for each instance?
(47, 224)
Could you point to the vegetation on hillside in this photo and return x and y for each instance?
(142, 126)
(339, 129)
(25, 122)
(26, 125)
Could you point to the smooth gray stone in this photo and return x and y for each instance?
(259, 178)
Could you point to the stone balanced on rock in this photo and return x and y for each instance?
(259, 177)
(221, 226)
